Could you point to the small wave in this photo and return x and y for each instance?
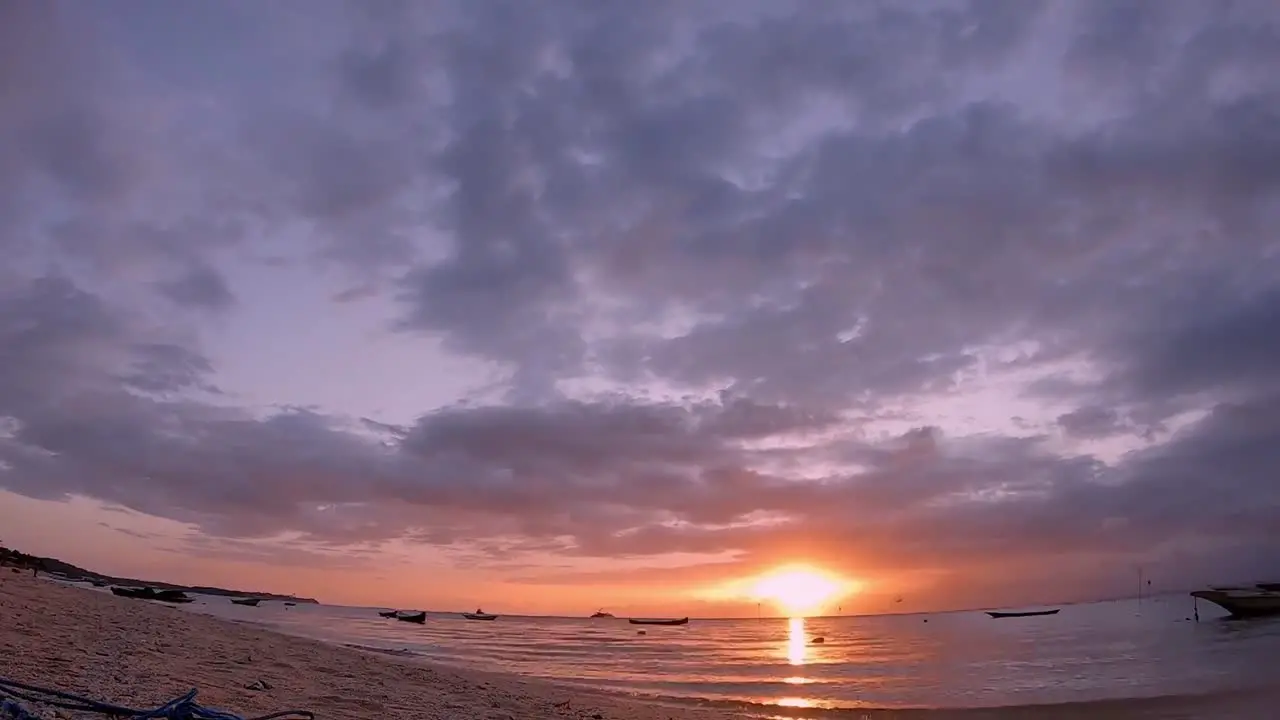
(397, 652)
(1234, 705)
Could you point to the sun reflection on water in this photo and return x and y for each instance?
(797, 651)
(796, 647)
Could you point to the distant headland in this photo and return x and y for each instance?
(65, 570)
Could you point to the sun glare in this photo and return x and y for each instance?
(798, 590)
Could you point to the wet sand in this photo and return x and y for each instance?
(141, 654)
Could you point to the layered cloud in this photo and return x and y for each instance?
(954, 291)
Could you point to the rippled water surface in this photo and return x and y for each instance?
(1087, 652)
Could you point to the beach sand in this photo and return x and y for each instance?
(141, 654)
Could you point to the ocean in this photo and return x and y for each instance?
(1088, 652)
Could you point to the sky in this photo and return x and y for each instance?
(549, 306)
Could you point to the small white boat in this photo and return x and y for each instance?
(1243, 602)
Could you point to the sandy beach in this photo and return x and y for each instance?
(141, 654)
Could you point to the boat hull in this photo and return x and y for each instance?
(1034, 613)
(418, 617)
(1241, 605)
(473, 616)
(176, 597)
(643, 621)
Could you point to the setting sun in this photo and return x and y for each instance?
(798, 590)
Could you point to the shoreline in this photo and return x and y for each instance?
(141, 654)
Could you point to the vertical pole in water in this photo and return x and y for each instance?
(1195, 607)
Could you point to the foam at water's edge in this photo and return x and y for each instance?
(397, 652)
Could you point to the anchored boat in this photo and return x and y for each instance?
(1244, 602)
(1032, 613)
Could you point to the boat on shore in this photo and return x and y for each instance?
(601, 614)
(419, 617)
(658, 621)
(176, 597)
(1028, 613)
(249, 602)
(1243, 603)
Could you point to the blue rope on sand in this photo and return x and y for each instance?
(180, 708)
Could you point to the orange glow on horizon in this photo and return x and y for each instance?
(796, 590)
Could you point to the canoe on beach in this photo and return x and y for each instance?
(659, 621)
(1032, 613)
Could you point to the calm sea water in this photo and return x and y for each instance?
(951, 660)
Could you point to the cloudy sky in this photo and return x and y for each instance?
(552, 305)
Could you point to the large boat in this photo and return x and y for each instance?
(1243, 603)
(601, 614)
(1030, 613)
(659, 621)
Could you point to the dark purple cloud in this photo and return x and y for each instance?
(777, 231)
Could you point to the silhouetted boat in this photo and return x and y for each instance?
(479, 615)
(251, 602)
(146, 593)
(387, 613)
(1270, 586)
(658, 621)
(1243, 603)
(601, 614)
(419, 617)
(1032, 613)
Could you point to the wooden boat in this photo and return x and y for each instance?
(419, 617)
(1243, 603)
(387, 613)
(145, 593)
(251, 602)
(479, 615)
(659, 621)
(601, 614)
(1032, 613)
